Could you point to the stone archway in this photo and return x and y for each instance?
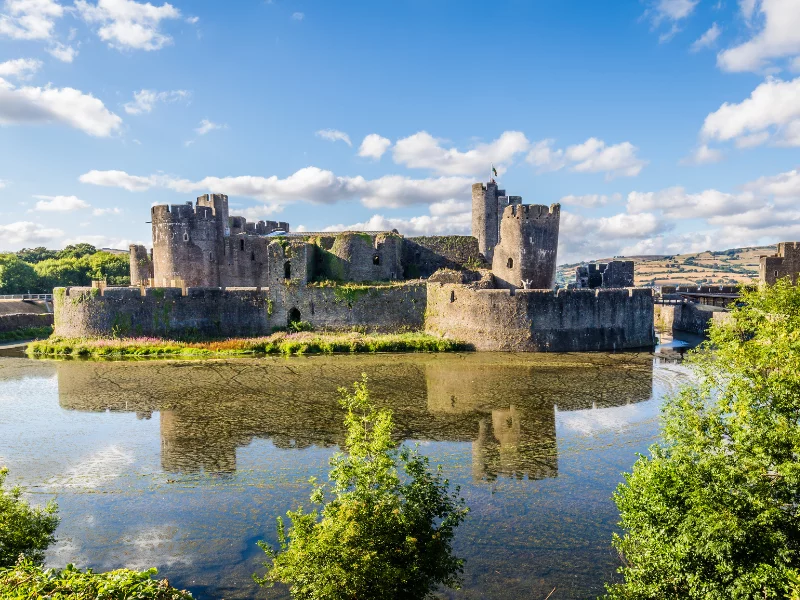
(293, 316)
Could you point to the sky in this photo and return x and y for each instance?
(661, 126)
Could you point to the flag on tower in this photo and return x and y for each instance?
(494, 171)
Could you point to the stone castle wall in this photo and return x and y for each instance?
(542, 320)
(423, 256)
(213, 312)
(16, 321)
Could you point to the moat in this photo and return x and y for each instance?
(184, 465)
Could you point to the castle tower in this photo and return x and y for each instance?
(785, 263)
(141, 265)
(526, 255)
(488, 204)
(188, 241)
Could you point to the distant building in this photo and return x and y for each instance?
(613, 274)
(785, 263)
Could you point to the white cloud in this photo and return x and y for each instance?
(671, 13)
(592, 156)
(450, 207)
(26, 233)
(121, 179)
(144, 100)
(193, 20)
(676, 203)
(784, 187)
(374, 146)
(298, 16)
(3, 183)
(778, 38)
(588, 200)
(703, 155)
(68, 106)
(423, 151)
(458, 223)
(334, 135)
(753, 140)
(30, 19)
(99, 212)
(207, 126)
(309, 184)
(21, 68)
(707, 39)
(62, 52)
(772, 106)
(126, 24)
(59, 203)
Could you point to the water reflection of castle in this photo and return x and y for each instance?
(505, 406)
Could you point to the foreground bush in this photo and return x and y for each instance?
(279, 343)
(27, 581)
(24, 530)
(714, 511)
(377, 534)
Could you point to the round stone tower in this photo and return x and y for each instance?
(141, 265)
(526, 255)
(188, 242)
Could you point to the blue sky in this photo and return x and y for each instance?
(662, 126)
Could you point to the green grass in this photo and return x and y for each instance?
(26, 333)
(287, 344)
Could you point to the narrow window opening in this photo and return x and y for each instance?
(510, 263)
(287, 270)
(185, 237)
(452, 296)
(776, 273)
(376, 260)
(252, 256)
(241, 245)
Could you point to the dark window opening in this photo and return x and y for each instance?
(252, 256)
(510, 263)
(241, 245)
(294, 316)
(287, 270)
(376, 260)
(452, 296)
(185, 237)
(776, 273)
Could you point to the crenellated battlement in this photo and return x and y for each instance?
(532, 212)
(784, 263)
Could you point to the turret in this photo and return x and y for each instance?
(526, 255)
(141, 265)
(488, 204)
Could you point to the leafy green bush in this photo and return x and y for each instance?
(298, 326)
(16, 276)
(377, 534)
(27, 581)
(714, 511)
(24, 530)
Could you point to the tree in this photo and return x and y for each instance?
(713, 512)
(58, 272)
(35, 255)
(16, 276)
(24, 530)
(76, 251)
(113, 268)
(377, 534)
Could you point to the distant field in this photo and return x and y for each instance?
(737, 265)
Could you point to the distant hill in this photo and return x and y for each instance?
(737, 265)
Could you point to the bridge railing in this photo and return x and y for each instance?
(26, 296)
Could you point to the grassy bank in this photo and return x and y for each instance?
(26, 333)
(279, 343)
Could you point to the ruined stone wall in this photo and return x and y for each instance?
(422, 256)
(161, 312)
(785, 263)
(141, 262)
(16, 321)
(526, 255)
(689, 317)
(488, 205)
(244, 261)
(213, 312)
(362, 257)
(290, 263)
(539, 320)
(618, 274)
(373, 308)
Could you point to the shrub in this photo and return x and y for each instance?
(713, 512)
(377, 534)
(24, 530)
(26, 580)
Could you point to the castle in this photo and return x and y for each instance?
(217, 275)
(202, 246)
